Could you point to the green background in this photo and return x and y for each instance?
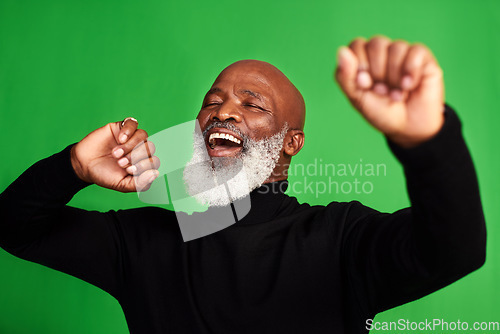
(68, 67)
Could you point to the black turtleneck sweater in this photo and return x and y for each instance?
(284, 268)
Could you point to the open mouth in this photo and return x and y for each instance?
(223, 142)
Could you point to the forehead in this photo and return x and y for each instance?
(240, 80)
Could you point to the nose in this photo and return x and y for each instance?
(226, 112)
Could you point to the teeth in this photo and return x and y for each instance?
(224, 136)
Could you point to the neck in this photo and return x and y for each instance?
(265, 202)
(280, 172)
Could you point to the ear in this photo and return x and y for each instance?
(293, 142)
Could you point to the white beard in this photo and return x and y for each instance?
(239, 175)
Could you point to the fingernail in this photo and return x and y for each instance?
(131, 170)
(364, 80)
(380, 88)
(118, 153)
(396, 95)
(406, 82)
(123, 162)
(123, 138)
(342, 53)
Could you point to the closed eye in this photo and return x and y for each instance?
(255, 106)
(211, 104)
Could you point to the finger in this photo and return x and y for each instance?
(347, 70)
(357, 46)
(137, 137)
(143, 165)
(413, 65)
(129, 126)
(142, 151)
(127, 184)
(376, 51)
(143, 181)
(363, 79)
(395, 57)
(397, 94)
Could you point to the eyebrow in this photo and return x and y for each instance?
(258, 96)
(253, 94)
(214, 90)
(242, 91)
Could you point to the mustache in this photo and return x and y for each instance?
(225, 125)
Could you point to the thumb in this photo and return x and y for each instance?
(347, 70)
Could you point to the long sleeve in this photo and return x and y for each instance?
(395, 258)
(285, 267)
(37, 225)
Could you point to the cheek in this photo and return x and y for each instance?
(261, 126)
(202, 115)
(203, 118)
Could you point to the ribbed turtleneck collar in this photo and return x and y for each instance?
(265, 203)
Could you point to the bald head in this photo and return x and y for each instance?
(289, 104)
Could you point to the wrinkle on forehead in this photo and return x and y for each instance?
(240, 79)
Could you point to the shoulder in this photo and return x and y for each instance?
(341, 219)
(334, 215)
(146, 222)
(334, 211)
(151, 213)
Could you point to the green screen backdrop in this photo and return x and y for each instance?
(69, 67)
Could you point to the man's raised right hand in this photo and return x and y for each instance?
(104, 157)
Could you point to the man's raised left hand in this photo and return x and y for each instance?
(397, 86)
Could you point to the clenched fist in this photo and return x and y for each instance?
(397, 86)
(105, 157)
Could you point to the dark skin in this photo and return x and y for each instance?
(396, 86)
(258, 99)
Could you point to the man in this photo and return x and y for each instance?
(285, 267)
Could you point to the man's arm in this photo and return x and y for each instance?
(395, 258)
(37, 225)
